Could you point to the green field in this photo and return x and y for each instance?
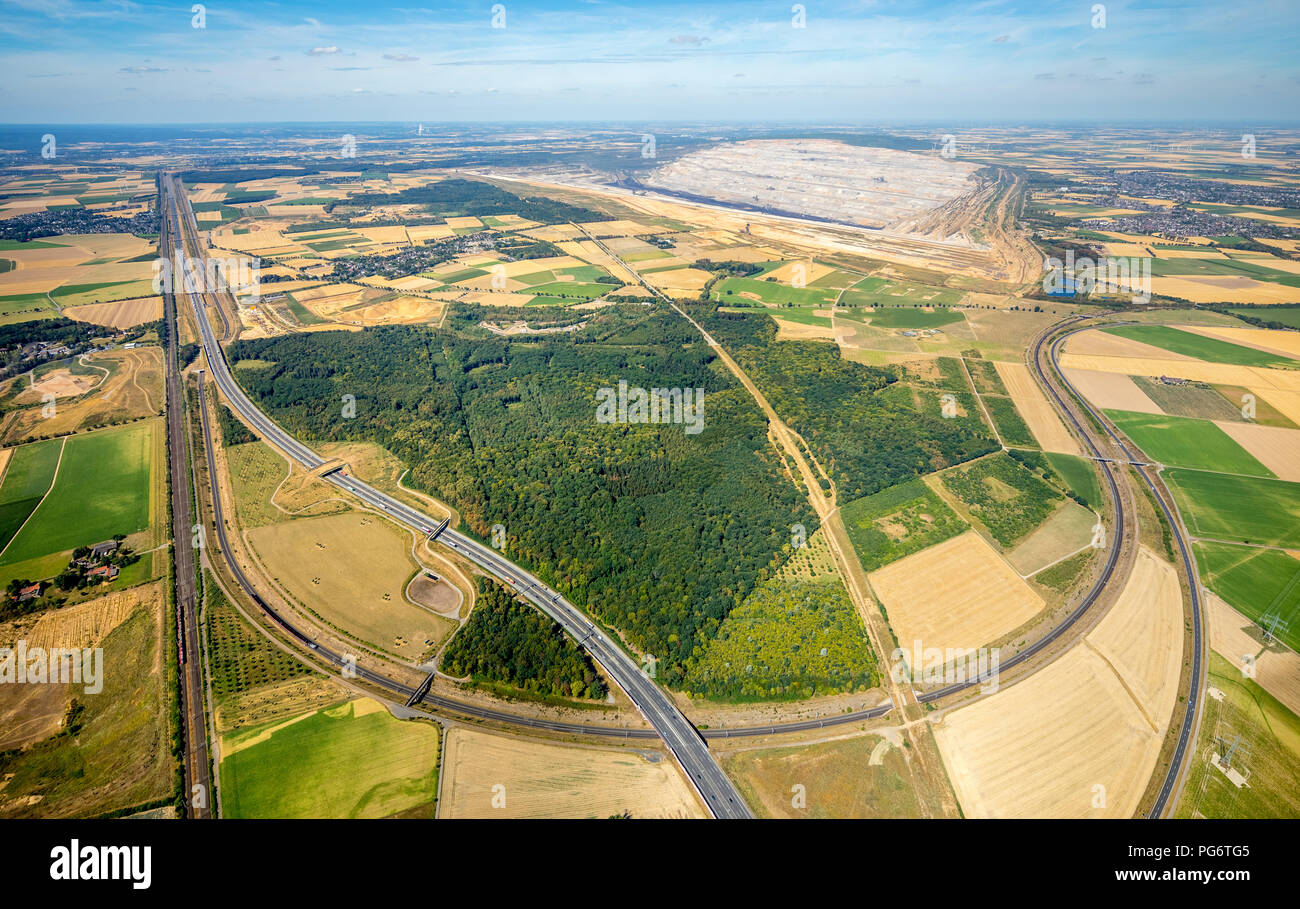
(1258, 582)
(775, 292)
(873, 291)
(1285, 315)
(332, 764)
(914, 318)
(1194, 345)
(1006, 497)
(11, 245)
(1079, 475)
(1271, 736)
(1185, 442)
(304, 315)
(22, 307)
(27, 479)
(804, 315)
(573, 289)
(103, 488)
(1229, 507)
(1011, 426)
(898, 521)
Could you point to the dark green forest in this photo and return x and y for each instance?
(511, 643)
(867, 437)
(658, 533)
(456, 197)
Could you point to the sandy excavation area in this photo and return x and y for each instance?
(1079, 738)
(871, 187)
(497, 776)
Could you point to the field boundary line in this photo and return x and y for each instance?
(54, 479)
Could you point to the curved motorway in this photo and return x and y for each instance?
(682, 738)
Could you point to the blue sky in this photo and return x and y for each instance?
(852, 62)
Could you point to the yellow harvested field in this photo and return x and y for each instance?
(486, 298)
(1038, 414)
(87, 624)
(1276, 448)
(1253, 377)
(497, 776)
(805, 269)
(799, 331)
(1042, 747)
(1079, 738)
(467, 221)
(1285, 343)
(351, 569)
(6, 454)
(1128, 250)
(119, 314)
(1191, 254)
(425, 232)
(620, 228)
(1235, 638)
(958, 594)
(1232, 635)
(1278, 672)
(554, 233)
(1287, 402)
(1226, 289)
(1142, 636)
(685, 281)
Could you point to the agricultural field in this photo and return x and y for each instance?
(1238, 509)
(487, 775)
(1003, 495)
(107, 483)
(978, 600)
(1261, 781)
(1190, 344)
(351, 570)
(117, 754)
(1080, 476)
(27, 478)
(74, 270)
(864, 776)
(897, 522)
(244, 664)
(1046, 426)
(290, 768)
(1094, 717)
(1263, 584)
(1185, 442)
(909, 318)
